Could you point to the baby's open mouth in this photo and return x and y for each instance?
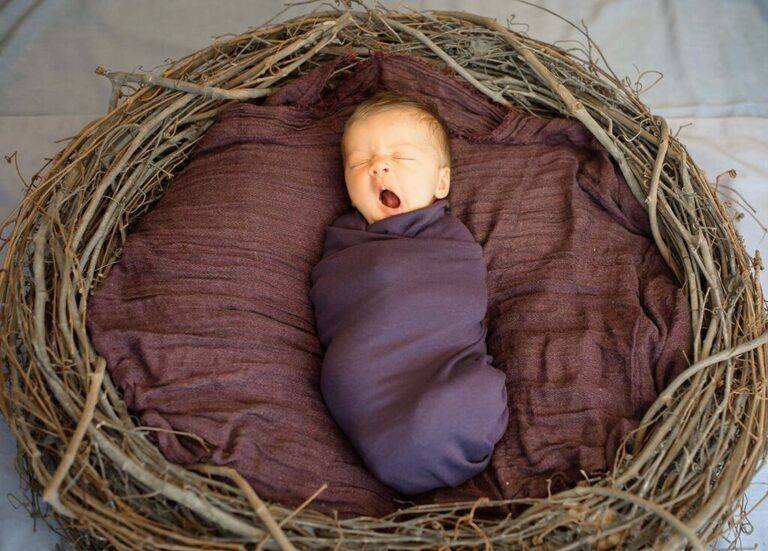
(389, 198)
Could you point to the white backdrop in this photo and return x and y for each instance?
(713, 55)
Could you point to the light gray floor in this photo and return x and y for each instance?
(715, 89)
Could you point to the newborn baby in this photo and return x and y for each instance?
(399, 298)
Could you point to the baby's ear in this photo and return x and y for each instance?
(444, 183)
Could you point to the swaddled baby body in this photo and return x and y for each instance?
(399, 298)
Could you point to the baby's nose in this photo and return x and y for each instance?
(379, 166)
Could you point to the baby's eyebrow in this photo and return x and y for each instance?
(363, 153)
(407, 144)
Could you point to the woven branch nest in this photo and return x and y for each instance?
(695, 451)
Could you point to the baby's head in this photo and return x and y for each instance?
(396, 154)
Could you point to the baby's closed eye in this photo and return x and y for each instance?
(356, 163)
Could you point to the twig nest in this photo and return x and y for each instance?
(693, 456)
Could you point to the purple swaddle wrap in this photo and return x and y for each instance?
(399, 306)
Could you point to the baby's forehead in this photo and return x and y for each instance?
(416, 115)
(419, 117)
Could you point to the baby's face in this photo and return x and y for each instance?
(392, 164)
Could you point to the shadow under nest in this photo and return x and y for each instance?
(694, 452)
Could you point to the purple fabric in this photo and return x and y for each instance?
(207, 325)
(399, 306)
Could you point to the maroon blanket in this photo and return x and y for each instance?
(207, 325)
(400, 306)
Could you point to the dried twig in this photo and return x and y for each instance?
(258, 505)
(210, 92)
